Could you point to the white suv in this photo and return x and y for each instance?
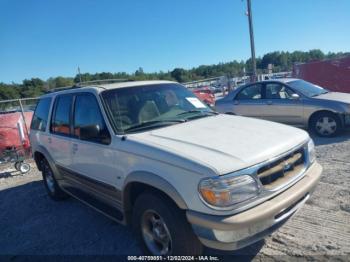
(151, 155)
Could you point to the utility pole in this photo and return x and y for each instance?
(79, 74)
(251, 33)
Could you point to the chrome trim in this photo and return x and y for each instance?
(263, 194)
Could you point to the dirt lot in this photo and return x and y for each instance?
(32, 224)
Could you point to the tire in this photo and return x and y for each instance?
(177, 232)
(24, 167)
(17, 165)
(325, 124)
(51, 185)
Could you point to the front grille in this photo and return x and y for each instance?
(282, 170)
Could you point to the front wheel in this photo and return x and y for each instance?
(161, 227)
(325, 124)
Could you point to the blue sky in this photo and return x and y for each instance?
(43, 38)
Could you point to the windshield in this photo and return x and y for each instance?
(152, 106)
(307, 88)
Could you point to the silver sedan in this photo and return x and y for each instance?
(290, 101)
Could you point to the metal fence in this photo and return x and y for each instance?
(233, 82)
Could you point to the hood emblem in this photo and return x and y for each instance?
(286, 166)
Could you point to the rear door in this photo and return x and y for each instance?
(38, 134)
(280, 106)
(248, 102)
(59, 141)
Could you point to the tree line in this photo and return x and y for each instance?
(281, 61)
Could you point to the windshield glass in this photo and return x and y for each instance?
(152, 106)
(307, 88)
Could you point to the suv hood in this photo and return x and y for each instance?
(225, 143)
(335, 96)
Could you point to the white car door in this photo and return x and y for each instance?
(93, 158)
(59, 141)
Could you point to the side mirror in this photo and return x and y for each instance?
(89, 132)
(295, 96)
(93, 133)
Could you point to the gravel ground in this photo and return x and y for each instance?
(32, 224)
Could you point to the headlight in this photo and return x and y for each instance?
(311, 151)
(227, 191)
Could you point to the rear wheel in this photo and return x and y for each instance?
(161, 227)
(51, 185)
(325, 124)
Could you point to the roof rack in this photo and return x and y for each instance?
(103, 81)
(89, 83)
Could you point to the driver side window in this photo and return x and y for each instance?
(86, 114)
(277, 91)
(250, 92)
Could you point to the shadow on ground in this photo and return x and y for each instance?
(33, 224)
(343, 136)
(6, 174)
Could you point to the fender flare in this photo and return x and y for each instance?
(153, 180)
(42, 150)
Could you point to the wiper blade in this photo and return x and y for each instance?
(154, 123)
(320, 94)
(198, 111)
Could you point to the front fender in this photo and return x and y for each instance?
(155, 181)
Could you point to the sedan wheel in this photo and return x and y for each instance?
(326, 124)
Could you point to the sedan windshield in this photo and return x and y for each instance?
(138, 108)
(307, 88)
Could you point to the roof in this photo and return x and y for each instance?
(134, 83)
(99, 87)
(283, 80)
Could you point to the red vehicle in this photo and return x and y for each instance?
(205, 95)
(14, 140)
(13, 133)
(333, 74)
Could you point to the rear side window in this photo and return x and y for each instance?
(41, 114)
(250, 92)
(60, 121)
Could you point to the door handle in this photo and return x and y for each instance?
(49, 140)
(269, 102)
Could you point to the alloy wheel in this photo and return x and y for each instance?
(49, 179)
(156, 233)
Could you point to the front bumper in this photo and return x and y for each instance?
(240, 230)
